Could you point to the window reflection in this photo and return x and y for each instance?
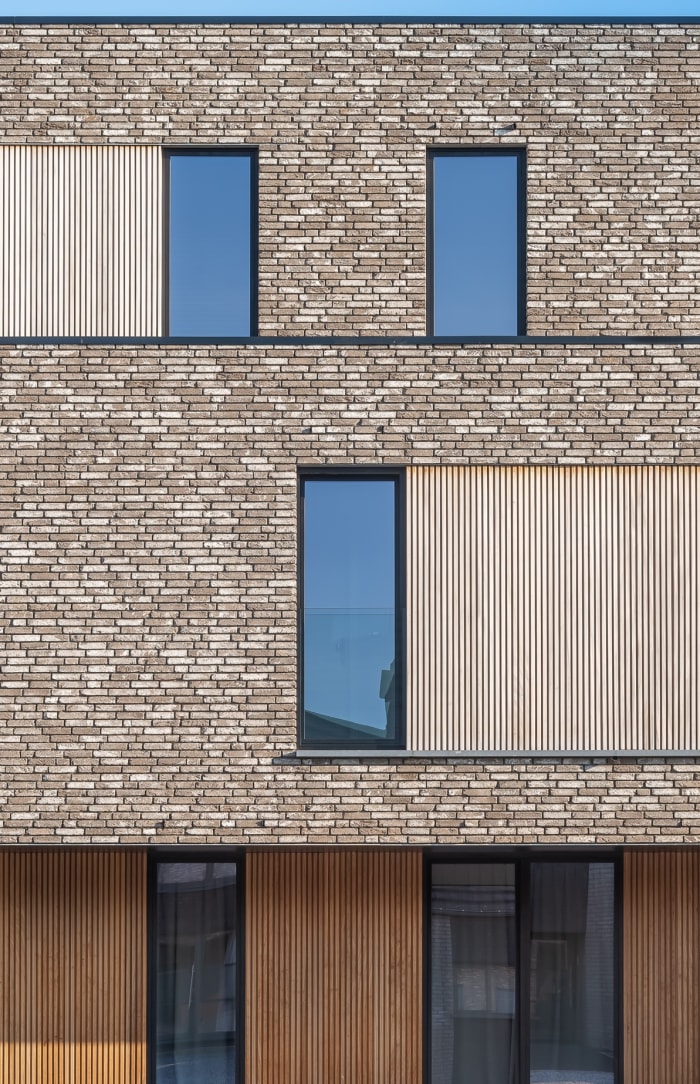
(565, 926)
(473, 974)
(350, 666)
(475, 243)
(210, 244)
(196, 973)
(571, 973)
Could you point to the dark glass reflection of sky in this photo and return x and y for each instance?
(349, 543)
(475, 226)
(349, 597)
(210, 244)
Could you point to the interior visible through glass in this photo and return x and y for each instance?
(196, 1033)
(475, 244)
(349, 631)
(571, 973)
(473, 974)
(209, 243)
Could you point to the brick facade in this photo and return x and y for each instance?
(148, 543)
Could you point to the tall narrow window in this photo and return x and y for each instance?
(571, 972)
(351, 659)
(197, 1036)
(473, 973)
(476, 228)
(211, 243)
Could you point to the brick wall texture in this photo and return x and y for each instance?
(343, 115)
(148, 493)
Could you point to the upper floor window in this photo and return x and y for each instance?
(212, 273)
(477, 246)
(351, 621)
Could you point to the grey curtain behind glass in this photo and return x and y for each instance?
(196, 974)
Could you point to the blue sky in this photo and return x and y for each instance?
(525, 8)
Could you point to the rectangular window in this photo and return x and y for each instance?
(523, 972)
(477, 243)
(197, 1010)
(351, 624)
(211, 244)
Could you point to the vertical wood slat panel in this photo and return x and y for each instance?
(553, 608)
(661, 953)
(72, 968)
(333, 967)
(81, 244)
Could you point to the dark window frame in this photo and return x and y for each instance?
(184, 856)
(523, 860)
(473, 151)
(218, 150)
(398, 475)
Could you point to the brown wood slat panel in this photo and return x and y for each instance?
(661, 953)
(81, 240)
(72, 968)
(553, 608)
(333, 968)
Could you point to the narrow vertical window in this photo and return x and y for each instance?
(571, 972)
(350, 626)
(211, 243)
(476, 228)
(473, 940)
(196, 945)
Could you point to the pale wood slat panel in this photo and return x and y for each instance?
(73, 968)
(553, 608)
(81, 240)
(333, 967)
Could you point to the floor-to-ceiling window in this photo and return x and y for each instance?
(523, 975)
(196, 1031)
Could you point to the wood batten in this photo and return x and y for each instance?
(81, 241)
(553, 608)
(333, 968)
(73, 968)
(661, 962)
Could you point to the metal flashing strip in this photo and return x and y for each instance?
(355, 340)
(494, 754)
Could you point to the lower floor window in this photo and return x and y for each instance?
(196, 1010)
(523, 972)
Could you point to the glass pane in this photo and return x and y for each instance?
(196, 973)
(571, 973)
(475, 244)
(473, 960)
(349, 610)
(210, 244)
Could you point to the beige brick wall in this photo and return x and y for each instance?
(343, 116)
(148, 584)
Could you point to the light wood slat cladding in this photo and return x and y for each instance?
(552, 608)
(661, 964)
(72, 968)
(82, 240)
(333, 968)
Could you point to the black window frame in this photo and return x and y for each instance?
(523, 860)
(398, 476)
(474, 151)
(218, 150)
(185, 856)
